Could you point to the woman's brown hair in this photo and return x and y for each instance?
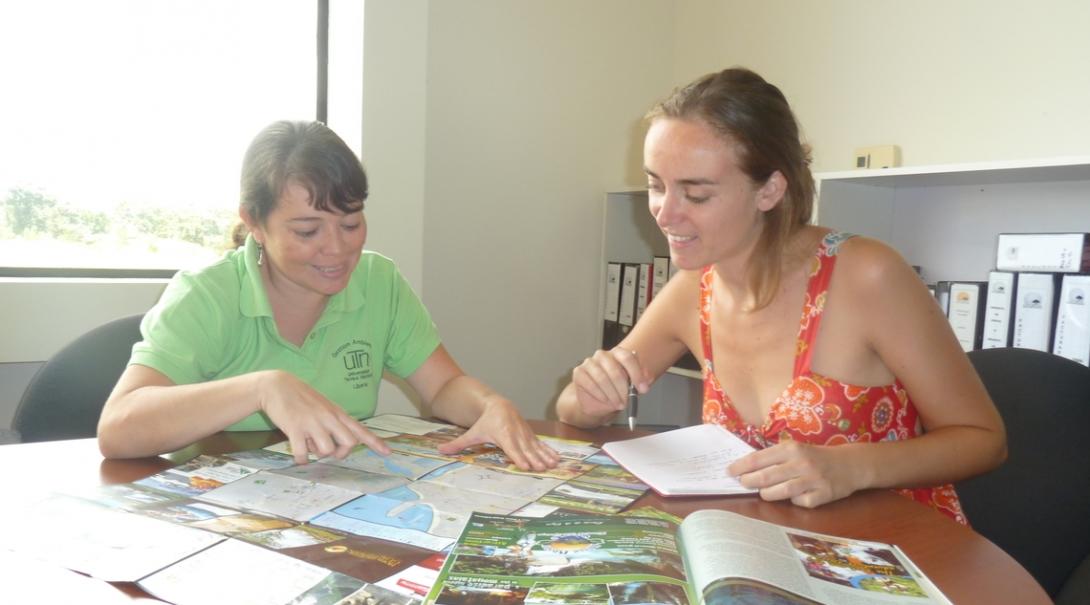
(307, 153)
(755, 116)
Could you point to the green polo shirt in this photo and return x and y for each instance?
(217, 323)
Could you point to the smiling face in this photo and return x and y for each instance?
(309, 251)
(709, 210)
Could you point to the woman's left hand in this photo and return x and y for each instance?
(502, 425)
(808, 475)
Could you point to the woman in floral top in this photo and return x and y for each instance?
(845, 380)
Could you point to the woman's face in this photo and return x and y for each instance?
(307, 249)
(708, 209)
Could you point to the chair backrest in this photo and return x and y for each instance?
(1036, 506)
(65, 397)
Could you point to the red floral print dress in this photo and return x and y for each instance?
(815, 408)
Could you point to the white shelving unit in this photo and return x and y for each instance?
(946, 218)
(943, 218)
(629, 234)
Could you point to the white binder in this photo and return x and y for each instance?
(1073, 320)
(1034, 311)
(998, 310)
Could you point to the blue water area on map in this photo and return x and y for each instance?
(388, 511)
(401, 494)
(401, 465)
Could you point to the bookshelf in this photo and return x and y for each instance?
(629, 234)
(946, 218)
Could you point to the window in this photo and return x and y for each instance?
(123, 122)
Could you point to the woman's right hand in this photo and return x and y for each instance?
(312, 423)
(601, 381)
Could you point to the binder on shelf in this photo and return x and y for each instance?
(626, 314)
(643, 289)
(966, 314)
(1073, 319)
(999, 309)
(942, 296)
(661, 273)
(1035, 311)
(610, 327)
(1052, 252)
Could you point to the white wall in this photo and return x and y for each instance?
(950, 82)
(394, 135)
(533, 114)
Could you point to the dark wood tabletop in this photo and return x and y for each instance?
(964, 565)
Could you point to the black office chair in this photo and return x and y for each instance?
(1076, 590)
(65, 397)
(1036, 506)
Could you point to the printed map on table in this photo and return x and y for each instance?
(394, 463)
(280, 495)
(348, 478)
(434, 510)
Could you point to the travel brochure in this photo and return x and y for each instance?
(712, 557)
(326, 530)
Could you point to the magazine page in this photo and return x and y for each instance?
(507, 560)
(739, 556)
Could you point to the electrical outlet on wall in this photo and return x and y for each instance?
(880, 156)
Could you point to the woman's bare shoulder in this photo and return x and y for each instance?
(865, 264)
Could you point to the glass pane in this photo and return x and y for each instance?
(123, 123)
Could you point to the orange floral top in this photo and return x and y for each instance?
(815, 408)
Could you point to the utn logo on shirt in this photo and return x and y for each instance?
(356, 356)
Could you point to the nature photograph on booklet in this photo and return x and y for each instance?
(713, 557)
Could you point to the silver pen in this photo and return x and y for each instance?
(633, 405)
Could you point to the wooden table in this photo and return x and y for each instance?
(967, 567)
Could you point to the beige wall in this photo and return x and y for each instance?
(394, 129)
(492, 130)
(394, 135)
(950, 82)
(532, 108)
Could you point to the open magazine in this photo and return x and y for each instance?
(714, 558)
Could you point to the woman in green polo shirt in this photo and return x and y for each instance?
(294, 329)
